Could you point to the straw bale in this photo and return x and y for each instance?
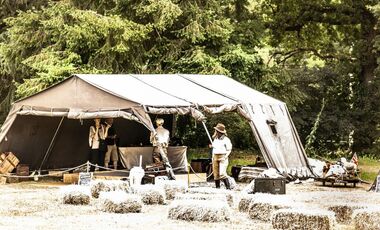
(150, 194)
(75, 194)
(263, 205)
(293, 219)
(343, 211)
(245, 202)
(199, 210)
(172, 187)
(366, 219)
(209, 190)
(120, 202)
(200, 196)
(98, 186)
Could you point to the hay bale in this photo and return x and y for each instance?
(245, 202)
(263, 205)
(209, 190)
(303, 219)
(120, 202)
(172, 187)
(366, 219)
(343, 212)
(199, 210)
(98, 186)
(150, 194)
(200, 196)
(75, 194)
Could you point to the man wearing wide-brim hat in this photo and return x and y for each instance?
(221, 149)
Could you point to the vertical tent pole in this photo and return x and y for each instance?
(51, 144)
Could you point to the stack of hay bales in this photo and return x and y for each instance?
(262, 207)
(75, 194)
(150, 194)
(199, 210)
(209, 190)
(120, 202)
(172, 187)
(343, 211)
(303, 219)
(366, 219)
(98, 186)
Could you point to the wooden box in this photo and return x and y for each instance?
(70, 178)
(12, 159)
(6, 167)
(270, 185)
(3, 180)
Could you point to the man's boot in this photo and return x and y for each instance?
(227, 183)
(217, 183)
(115, 165)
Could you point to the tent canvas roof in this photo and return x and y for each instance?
(132, 96)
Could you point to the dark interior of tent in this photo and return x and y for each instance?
(31, 136)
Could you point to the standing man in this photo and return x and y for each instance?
(111, 144)
(221, 149)
(160, 143)
(95, 137)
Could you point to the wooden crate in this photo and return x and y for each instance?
(70, 178)
(2, 156)
(6, 167)
(3, 180)
(12, 180)
(12, 159)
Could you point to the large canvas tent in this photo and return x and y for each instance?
(64, 110)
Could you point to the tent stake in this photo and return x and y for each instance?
(51, 143)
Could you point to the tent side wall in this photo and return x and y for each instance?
(33, 135)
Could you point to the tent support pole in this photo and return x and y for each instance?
(51, 143)
(208, 134)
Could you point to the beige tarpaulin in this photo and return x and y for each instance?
(134, 97)
(130, 157)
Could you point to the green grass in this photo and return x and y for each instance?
(369, 167)
(237, 157)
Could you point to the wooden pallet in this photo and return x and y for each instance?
(339, 181)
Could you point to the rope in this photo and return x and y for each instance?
(199, 176)
(46, 175)
(88, 164)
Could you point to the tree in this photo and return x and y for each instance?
(342, 35)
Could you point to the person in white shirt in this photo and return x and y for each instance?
(97, 133)
(160, 143)
(221, 149)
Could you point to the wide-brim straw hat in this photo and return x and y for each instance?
(220, 128)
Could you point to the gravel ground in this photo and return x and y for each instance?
(37, 205)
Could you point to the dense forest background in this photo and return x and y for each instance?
(320, 56)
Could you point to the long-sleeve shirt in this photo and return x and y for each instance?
(222, 145)
(162, 137)
(95, 135)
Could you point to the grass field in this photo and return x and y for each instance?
(369, 167)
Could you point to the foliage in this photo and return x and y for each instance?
(296, 51)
